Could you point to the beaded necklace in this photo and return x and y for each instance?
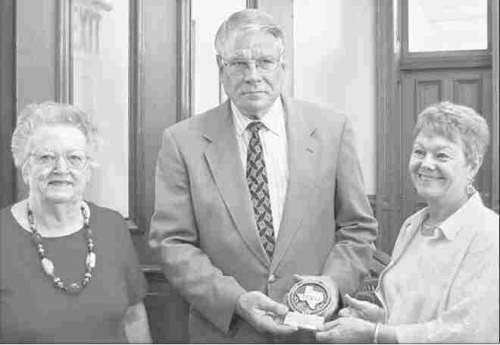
(47, 264)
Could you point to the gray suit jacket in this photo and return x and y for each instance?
(204, 228)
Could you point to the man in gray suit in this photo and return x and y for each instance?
(257, 193)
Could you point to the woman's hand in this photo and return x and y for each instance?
(346, 330)
(136, 324)
(362, 310)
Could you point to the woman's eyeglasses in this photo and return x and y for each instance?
(75, 159)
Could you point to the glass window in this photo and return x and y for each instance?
(100, 33)
(206, 19)
(447, 25)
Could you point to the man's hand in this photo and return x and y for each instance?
(330, 285)
(346, 330)
(264, 314)
(362, 310)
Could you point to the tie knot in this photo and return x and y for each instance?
(255, 126)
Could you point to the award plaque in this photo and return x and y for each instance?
(307, 299)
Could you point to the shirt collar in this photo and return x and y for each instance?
(463, 217)
(274, 119)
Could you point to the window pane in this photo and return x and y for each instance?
(206, 18)
(437, 25)
(100, 87)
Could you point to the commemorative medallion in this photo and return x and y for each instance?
(307, 299)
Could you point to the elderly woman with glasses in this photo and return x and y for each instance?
(442, 282)
(69, 272)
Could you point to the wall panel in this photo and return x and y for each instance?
(7, 100)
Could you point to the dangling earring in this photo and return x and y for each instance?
(470, 189)
(24, 174)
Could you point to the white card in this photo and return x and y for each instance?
(312, 322)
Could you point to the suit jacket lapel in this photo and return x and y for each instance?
(222, 155)
(301, 150)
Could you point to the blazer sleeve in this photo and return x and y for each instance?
(174, 236)
(355, 226)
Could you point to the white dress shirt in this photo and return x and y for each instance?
(443, 287)
(274, 144)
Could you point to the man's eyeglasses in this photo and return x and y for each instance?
(75, 159)
(240, 66)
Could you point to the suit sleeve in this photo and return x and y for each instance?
(174, 236)
(356, 228)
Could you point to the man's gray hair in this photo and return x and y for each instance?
(244, 21)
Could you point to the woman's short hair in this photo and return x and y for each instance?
(244, 21)
(49, 113)
(457, 123)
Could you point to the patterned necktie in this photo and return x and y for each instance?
(259, 189)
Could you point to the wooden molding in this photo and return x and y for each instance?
(456, 59)
(184, 60)
(388, 119)
(494, 19)
(7, 99)
(136, 181)
(64, 61)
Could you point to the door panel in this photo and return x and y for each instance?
(427, 91)
(468, 91)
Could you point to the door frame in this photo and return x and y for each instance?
(388, 90)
